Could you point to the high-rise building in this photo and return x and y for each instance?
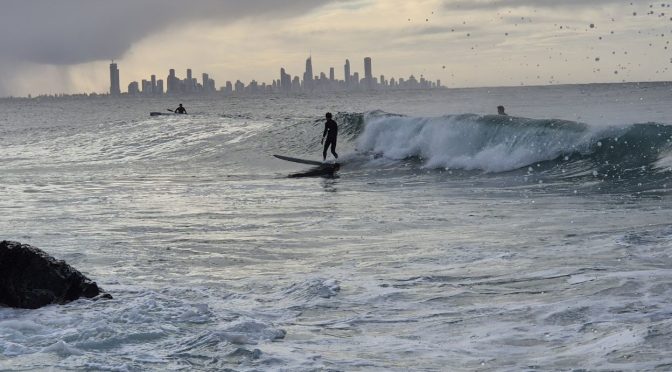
(171, 82)
(210, 88)
(133, 88)
(308, 75)
(208, 84)
(331, 74)
(189, 81)
(146, 87)
(240, 87)
(412, 82)
(368, 75)
(159, 87)
(115, 89)
(253, 87)
(346, 71)
(153, 78)
(285, 81)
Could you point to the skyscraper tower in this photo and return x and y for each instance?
(171, 82)
(368, 75)
(115, 90)
(190, 82)
(206, 82)
(331, 74)
(285, 81)
(347, 72)
(308, 75)
(154, 89)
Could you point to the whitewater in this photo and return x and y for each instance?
(451, 239)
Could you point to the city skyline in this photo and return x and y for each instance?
(285, 84)
(462, 43)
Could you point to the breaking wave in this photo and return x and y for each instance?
(495, 144)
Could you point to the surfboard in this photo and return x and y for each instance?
(302, 161)
(158, 113)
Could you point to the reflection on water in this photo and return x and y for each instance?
(329, 183)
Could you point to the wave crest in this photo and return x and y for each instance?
(504, 143)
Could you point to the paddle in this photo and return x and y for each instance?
(170, 110)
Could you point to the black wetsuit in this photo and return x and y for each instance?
(331, 131)
(180, 110)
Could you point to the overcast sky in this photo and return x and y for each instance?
(50, 46)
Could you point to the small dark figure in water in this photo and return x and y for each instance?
(180, 110)
(500, 110)
(330, 132)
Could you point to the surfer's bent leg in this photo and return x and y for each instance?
(329, 142)
(333, 148)
(326, 147)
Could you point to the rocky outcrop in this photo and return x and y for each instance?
(30, 278)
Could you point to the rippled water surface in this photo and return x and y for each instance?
(449, 240)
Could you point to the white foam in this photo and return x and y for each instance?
(62, 348)
(12, 349)
(250, 332)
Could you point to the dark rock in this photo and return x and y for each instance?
(30, 278)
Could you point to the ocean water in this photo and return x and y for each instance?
(450, 240)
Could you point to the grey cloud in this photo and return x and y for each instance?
(63, 32)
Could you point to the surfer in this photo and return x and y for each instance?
(330, 132)
(500, 110)
(180, 110)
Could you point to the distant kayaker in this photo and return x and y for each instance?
(180, 110)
